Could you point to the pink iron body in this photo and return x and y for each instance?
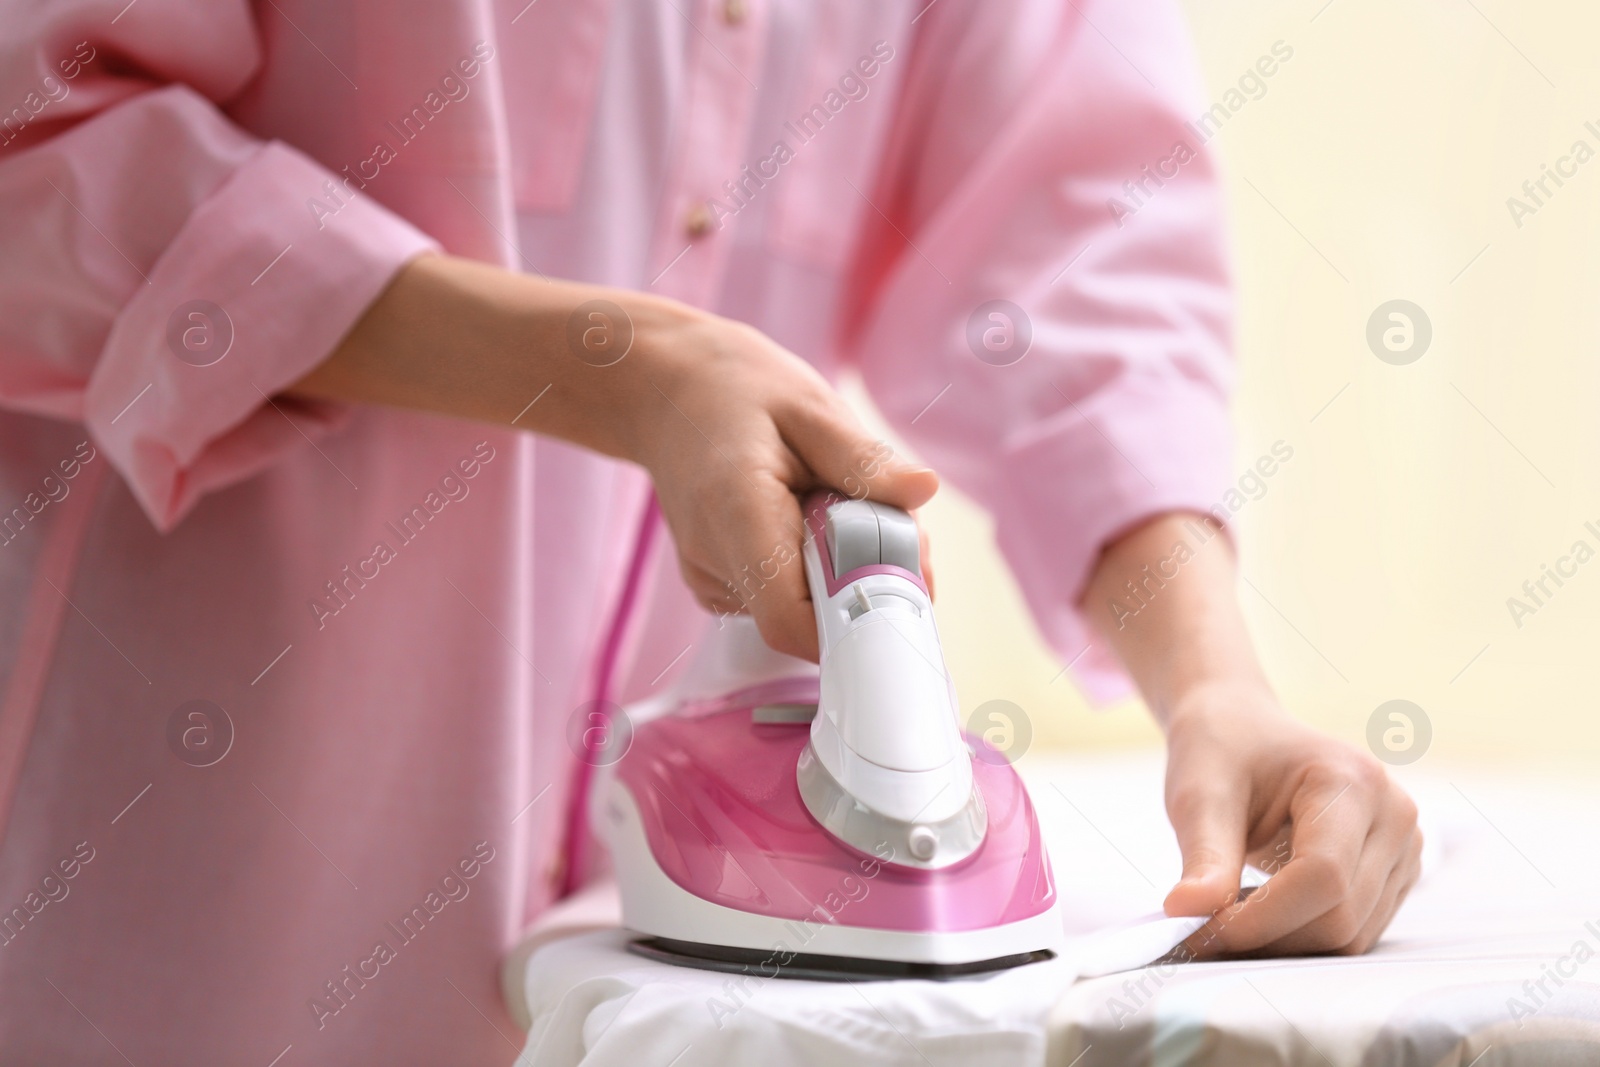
(757, 825)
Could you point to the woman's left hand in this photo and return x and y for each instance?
(1247, 782)
(1244, 780)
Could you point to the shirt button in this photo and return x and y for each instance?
(733, 11)
(697, 221)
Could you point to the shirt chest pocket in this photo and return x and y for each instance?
(834, 127)
(551, 78)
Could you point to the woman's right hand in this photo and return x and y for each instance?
(731, 427)
(737, 429)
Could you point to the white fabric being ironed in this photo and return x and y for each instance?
(598, 1005)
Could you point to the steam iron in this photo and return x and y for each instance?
(774, 818)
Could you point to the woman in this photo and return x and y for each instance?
(299, 641)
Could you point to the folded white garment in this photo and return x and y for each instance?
(596, 1004)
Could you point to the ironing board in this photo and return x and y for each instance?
(1506, 899)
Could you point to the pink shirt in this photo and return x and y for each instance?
(390, 619)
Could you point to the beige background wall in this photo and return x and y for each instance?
(1420, 496)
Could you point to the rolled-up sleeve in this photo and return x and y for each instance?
(164, 274)
(1045, 190)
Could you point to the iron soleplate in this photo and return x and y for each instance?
(815, 968)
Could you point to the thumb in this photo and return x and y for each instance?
(844, 457)
(1211, 835)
